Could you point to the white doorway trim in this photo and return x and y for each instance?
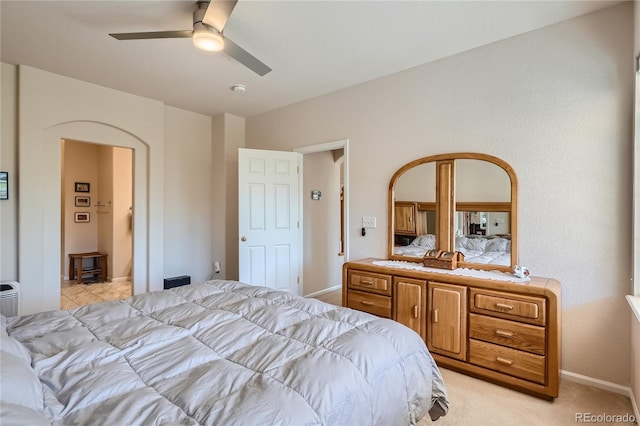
(39, 212)
(330, 146)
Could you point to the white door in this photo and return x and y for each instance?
(269, 219)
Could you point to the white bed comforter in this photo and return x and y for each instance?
(224, 353)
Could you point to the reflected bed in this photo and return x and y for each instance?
(484, 250)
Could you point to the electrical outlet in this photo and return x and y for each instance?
(368, 221)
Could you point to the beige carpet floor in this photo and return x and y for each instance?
(475, 402)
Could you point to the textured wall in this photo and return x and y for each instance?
(556, 104)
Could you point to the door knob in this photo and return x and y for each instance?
(243, 238)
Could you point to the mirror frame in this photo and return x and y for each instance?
(446, 205)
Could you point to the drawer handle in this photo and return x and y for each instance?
(503, 333)
(504, 306)
(367, 303)
(435, 316)
(504, 361)
(415, 311)
(366, 282)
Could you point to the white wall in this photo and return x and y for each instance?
(553, 103)
(51, 107)
(228, 136)
(187, 201)
(103, 194)
(9, 163)
(121, 214)
(322, 267)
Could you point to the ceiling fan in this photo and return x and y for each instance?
(209, 19)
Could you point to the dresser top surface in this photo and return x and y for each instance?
(483, 279)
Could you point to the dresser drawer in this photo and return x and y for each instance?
(509, 306)
(367, 302)
(369, 281)
(530, 338)
(508, 361)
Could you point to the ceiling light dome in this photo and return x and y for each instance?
(207, 38)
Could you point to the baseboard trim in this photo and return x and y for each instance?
(596, 383)
(113, 280)
(636, 409)
(326, 290)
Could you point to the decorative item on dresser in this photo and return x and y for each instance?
(476, 316)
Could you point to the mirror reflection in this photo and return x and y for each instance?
(482, 218)
(482, 223)
(415, 211)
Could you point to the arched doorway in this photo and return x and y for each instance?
(39, 212)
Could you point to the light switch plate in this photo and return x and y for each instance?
(368, 221)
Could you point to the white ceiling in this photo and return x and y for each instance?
(313, 47)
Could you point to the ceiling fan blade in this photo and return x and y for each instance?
(218, 13)
(152, 34)
(245, 58)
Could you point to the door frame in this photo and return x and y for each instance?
(321, 147)
(39, 211)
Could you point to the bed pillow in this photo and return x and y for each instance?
(427, 241)
(498, 244)
(15, 348)
(19, 415)
(3, 325)
(20, 384)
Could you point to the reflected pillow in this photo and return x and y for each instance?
(498, 244)
(427, 241)
(475, 244)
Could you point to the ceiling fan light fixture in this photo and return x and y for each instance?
(207, 38)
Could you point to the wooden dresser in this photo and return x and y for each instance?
(504, 332)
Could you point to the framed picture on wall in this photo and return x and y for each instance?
(83, 201)
(83, 187)
(4, 185)
(82, 217)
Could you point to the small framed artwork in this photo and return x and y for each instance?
(83, 187)
(81, 217)
(4, 185)
(83, 201)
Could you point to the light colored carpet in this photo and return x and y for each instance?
(476, 402)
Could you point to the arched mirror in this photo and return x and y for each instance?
(464, 202)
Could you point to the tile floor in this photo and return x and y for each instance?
(74, 295)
